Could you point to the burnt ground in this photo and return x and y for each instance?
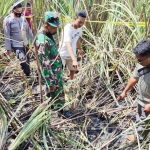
(101, 122)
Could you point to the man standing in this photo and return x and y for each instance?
(51, 64)
(16, 29)
(141, 77)
(70, 40)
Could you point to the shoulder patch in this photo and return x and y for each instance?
(4, 23)
(6, 20)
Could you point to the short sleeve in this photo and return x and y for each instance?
(67, 34)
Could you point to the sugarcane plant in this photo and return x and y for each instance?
(111, 30)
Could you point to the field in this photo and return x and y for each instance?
(99, 121)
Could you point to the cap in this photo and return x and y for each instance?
(52, 18)
(17, 6)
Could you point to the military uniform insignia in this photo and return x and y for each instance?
(4, 23)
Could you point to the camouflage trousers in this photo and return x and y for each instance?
(57, 95)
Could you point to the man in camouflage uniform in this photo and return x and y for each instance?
(51, 65)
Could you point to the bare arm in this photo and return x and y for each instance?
(70, 51)
(78, 44)
(79, 47)
(131, 82)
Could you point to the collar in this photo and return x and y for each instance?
(49, 35)
(12, 15)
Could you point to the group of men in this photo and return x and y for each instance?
(52, 59)
(16, 29)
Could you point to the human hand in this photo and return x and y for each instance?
(52, 88)
(147, 108)
(80, 52)
(122, 96)
(75, 64)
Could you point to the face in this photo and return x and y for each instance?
(29, 8)
(17, 12)
(79, 22)
(51, 29)
(143, 60)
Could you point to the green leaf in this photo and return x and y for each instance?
(3, 127)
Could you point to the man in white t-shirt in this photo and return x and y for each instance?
(70, 41)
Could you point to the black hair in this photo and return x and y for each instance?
(17, 6)
(81, 13)
(142, 48)
(28, 5)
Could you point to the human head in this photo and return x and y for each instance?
(28, 6)
(17, 10)
(79, 19)
(142, 52)
(52, 22)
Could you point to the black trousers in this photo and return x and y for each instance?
(21, 53)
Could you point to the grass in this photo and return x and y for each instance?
(103, 73)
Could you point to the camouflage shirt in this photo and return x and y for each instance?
(51, 65)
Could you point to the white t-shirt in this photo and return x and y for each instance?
(69, 34)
